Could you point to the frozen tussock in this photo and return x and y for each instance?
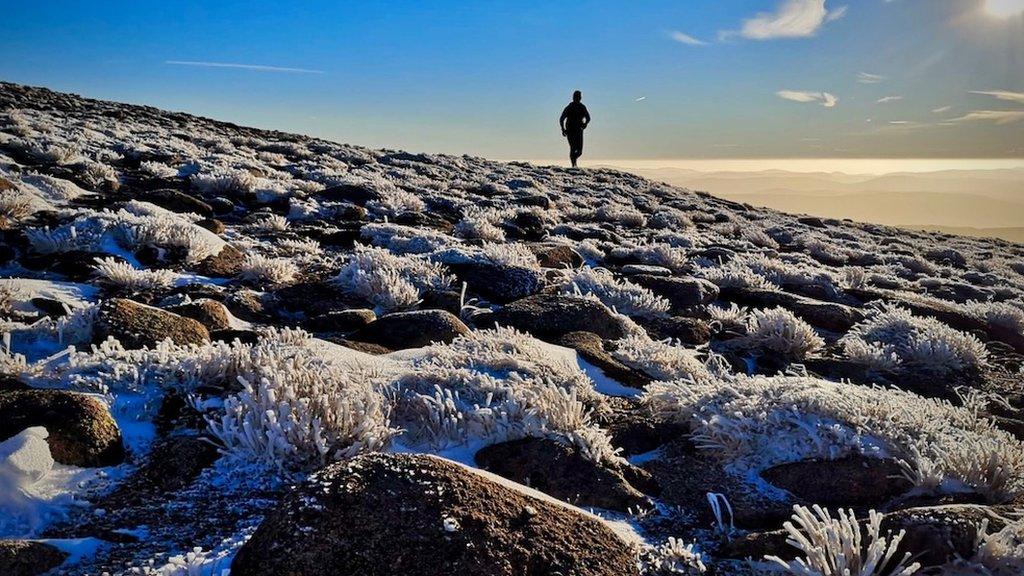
(779, 331)
(621, 295)
(296, 410)
(758, 422)
(498, 385)
(126, 277)
(893, 339)
(389, 281)
(265, 269)
(838, 546)
(661, 360)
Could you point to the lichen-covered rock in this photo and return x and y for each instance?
(401, 330)
(29, 558)
(554, 315)
(138, 325)
(416, 515)
(81, 430)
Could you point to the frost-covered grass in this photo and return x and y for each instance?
(891, 339)
(499, 385)
(271, 223)
(264, 269)
(662, 360)
(757, 422)
(390, 281)
(480, 223)
(838, 546)
(616, 293)
(297, 411)
(779, 331)
(15, 204)
(225, 181)
(126, 277)
(653, 253)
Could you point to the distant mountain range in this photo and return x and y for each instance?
(968, 202)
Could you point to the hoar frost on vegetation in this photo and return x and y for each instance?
(290, 406)
(758, 422)
(892, 339)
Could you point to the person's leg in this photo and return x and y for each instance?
(575, 146)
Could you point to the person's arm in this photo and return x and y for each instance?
(586, 117)
(561, 120)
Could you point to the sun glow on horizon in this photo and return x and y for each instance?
(1004, 8)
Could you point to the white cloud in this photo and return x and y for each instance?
(1000, 117)
(1002, 95)
(683, 38)
(942, 109)
(887, 99)
(640, 99)
(866, 78)
(256, 67)
(824, 98)
(792, 19)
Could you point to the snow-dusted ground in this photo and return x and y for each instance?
(922, 312)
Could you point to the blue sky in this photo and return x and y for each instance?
(663, 79)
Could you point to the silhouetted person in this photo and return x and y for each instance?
(573, 122)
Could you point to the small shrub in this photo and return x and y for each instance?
(779, 331)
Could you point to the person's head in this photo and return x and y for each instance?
(577, 96)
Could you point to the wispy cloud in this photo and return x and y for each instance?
(1004, 95)
(942, 109)
(1000, 117)
(792, 19)
(684, 38)
(887, 99)
(640, 99)
(256, 67)
(866, 78)
(824, 98)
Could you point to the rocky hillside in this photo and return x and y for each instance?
(233, 349)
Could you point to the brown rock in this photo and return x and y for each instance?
(401, 330)
(210, 313)
(418, 515)
(224, 264)
(554, 315)
(857, 481)
(341, 320)
(591, 348)
(682, 293)
(137, 325)
(562, 472)
(687, 475)
(82, 431)
(556, 256)
(635, 430)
